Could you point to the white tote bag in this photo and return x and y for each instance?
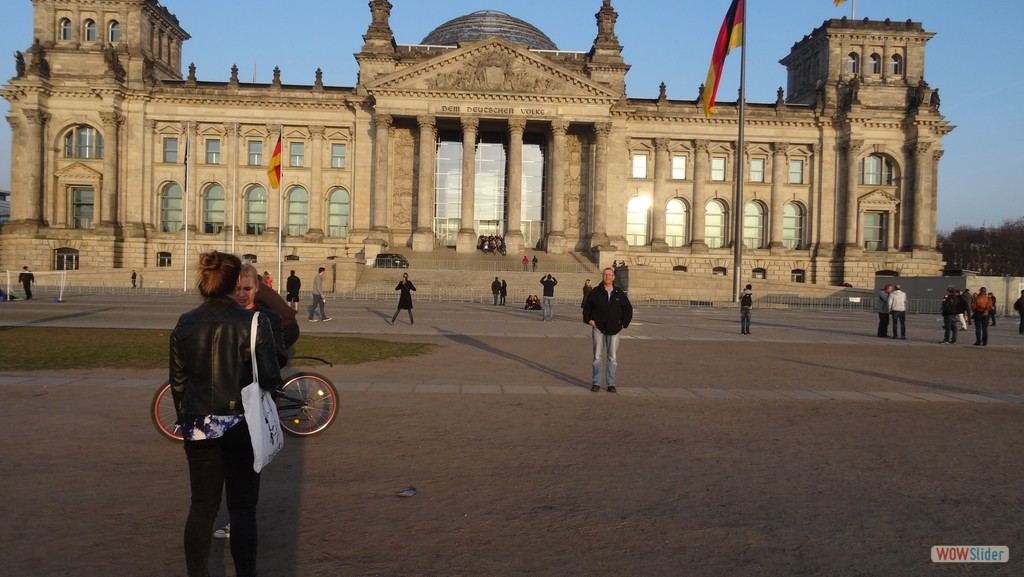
(261, 413)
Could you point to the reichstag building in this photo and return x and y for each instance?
(483, 127)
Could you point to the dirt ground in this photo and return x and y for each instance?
(575, 483)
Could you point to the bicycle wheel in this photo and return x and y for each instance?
(163, 414)
(307, 404)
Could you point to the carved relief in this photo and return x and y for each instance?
(495, 72)
(574, 208)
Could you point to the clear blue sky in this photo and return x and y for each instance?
(971, 61)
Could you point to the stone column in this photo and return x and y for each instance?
(423, 236)
(662, 173)
(922, 200)
(934, 192)
(150, 195)
(775, 213)
(382, 125)
(315, 231)
(556, 215)
(851, 241)
(231, 193)
(27, 171)
(111, 125)
(599, 234)
(466, 242)
(514, 240)
(701, 171)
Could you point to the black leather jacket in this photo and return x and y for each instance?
(210, 361)
(611, 315)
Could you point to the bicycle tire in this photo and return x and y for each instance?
(165, 418)
(307, 405)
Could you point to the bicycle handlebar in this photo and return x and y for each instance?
(324, 361)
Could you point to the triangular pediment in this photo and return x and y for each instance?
(490, 67)
(879, 198)
(79, 172)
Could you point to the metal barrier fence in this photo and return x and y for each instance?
(501, 264)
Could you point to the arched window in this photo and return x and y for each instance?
(637, 231)
(753, 225)
(338, 210)
(66, 32)
(298, 212)
(170, 208)
(759, 273)
(250, 258)
(720, 271)
(84, 142)
(256, 211)
(852, 63)
(114, 32)
(714, 224)
(792, 226)
(90, 30)
(163, 259)
(65, 258)
(213, 209)
(876, 170)
(896, 65)
(798, 275)
(874, 64)
(675, 223)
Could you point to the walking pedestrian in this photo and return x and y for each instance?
(26, 278)
(608, 311)
(950, 308)
(405, 298)
(1018, 306)
(318, 297)
(134, 276)
(549, 283)
(535, 261)
(292, 286)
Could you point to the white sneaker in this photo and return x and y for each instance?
(327, 319)
(223, 533)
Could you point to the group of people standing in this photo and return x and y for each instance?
(960, 307)
(491, 244)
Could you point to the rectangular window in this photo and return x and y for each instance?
(718, 168)
(756, 170)
(678, 168)
(337, 155)
(170, 150)
(875, 231)
(296, 154)
(163, 259)
(639, 166)
(255, 153)
(796, 171)
(81, 207)
(213, 151)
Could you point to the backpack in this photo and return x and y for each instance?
(746, 300)
(1019, 304)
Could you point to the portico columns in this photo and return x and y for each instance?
(556, 215)
(599, 234)
(514, 240)
(111, 124)
(317, 200)
(382, 126)
(423, 236)
(26, 202)
(466, 242)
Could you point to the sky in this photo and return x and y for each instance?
(969, 60)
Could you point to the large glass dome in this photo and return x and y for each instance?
(487, 23)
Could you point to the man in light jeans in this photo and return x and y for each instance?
(318, 298)
(549, 283)
(898, 310)
(607, 310)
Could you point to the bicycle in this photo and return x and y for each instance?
(306, 403)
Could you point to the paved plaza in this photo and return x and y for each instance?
(809, 447)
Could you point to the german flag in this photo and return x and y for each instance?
(274, 172)
(729, 37)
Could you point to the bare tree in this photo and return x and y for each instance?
(988, 251)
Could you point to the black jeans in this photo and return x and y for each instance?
(883, 324)
(980, 327)
(215, 465)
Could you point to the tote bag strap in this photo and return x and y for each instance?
(252, 345)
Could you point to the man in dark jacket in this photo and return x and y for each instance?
(607, 310)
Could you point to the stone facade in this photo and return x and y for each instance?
(840, 176)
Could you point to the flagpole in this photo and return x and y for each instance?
(280, 207)
(740, 162)
(184, 261)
